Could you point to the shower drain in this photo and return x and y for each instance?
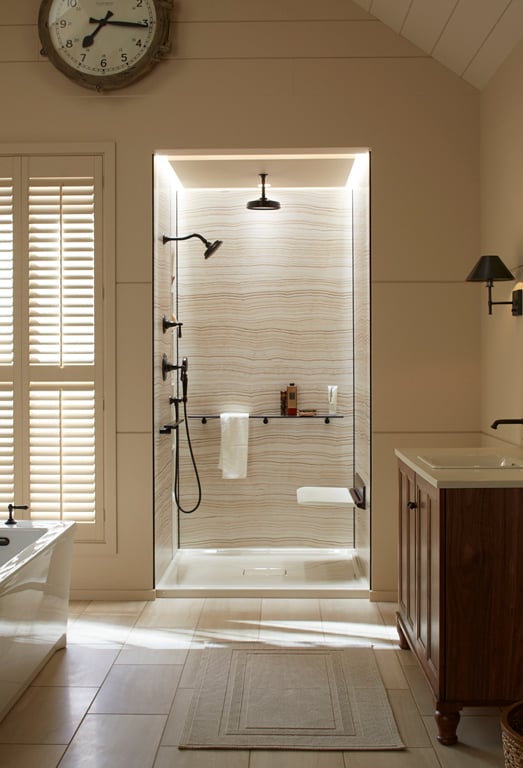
(265, 571)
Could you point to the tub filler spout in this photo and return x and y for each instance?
(496, 423)
(10, 508)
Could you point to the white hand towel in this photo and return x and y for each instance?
(234, 445)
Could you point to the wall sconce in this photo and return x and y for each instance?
(491, 268)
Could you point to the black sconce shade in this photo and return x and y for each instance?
(488, 270)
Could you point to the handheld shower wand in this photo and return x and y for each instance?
(183, 368)
(184, 378)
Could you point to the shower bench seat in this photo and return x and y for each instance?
(323, 495)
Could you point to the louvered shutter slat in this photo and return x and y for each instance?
(61, 274)
(6, 445)
(62, 452)
(6, 272)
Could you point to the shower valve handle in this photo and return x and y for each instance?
(167, 324)
(167, 366)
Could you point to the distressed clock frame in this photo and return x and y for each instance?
(159, 49)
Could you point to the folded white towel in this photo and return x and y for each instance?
(234, 445)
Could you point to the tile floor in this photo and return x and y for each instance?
(117, 696)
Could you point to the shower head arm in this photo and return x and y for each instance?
(209, 247)
(167, 239)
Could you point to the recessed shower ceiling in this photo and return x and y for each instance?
(284, 172)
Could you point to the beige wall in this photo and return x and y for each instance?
(290, 74)
(502, 233)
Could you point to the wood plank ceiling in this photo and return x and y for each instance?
(470, 37)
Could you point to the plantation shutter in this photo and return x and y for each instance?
(64, 397)
(62, 452)
(6, 269)
(7, 436)
(57, 430)
(7, 479)
(61, 273)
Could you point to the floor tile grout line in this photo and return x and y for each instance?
(301, 635)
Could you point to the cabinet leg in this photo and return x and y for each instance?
(447, 723)
(403, 640)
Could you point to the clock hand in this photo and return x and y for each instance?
(89, 39)
(141, 25)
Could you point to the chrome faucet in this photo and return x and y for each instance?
(495, 424)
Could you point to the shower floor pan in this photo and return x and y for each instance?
(263, 573)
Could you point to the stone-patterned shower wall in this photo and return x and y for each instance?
(273, 305)
(362, 350)
(165, 529)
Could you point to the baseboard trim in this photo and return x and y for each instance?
(383, 596)
(113, 595)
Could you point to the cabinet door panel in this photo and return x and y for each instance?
(484, 616)
(407, 547)
(419, 577)
(428, 575)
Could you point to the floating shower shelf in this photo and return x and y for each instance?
(267, 417)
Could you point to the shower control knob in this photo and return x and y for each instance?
(166, 324)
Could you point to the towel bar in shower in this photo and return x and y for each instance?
(266, 417)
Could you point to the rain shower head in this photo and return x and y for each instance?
(263, 203)
(210, 248)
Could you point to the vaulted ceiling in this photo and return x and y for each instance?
(470, 37)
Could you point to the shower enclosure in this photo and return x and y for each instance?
(275, 305)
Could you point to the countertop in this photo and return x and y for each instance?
(464, 478)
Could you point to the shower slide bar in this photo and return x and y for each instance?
(266, 418)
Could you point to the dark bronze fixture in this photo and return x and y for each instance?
(263, 203)
(167, 324)
(10, 507)
(210, 248)
(496, 423)
(167, 367)
(488, 270)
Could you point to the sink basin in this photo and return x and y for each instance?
(471, 461)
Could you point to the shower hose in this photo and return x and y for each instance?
(177, 466)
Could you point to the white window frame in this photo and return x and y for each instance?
(100, 536)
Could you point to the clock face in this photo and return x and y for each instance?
(103, 43)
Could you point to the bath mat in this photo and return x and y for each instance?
(290, 698)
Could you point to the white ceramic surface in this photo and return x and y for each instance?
(471, 461)
(479, 475)
(34, 598)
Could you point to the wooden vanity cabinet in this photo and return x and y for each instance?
(461, 593)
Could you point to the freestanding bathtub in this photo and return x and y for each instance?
(35, 573)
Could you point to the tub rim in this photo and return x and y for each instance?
(52, 530)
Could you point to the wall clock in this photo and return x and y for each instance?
(104, 44)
